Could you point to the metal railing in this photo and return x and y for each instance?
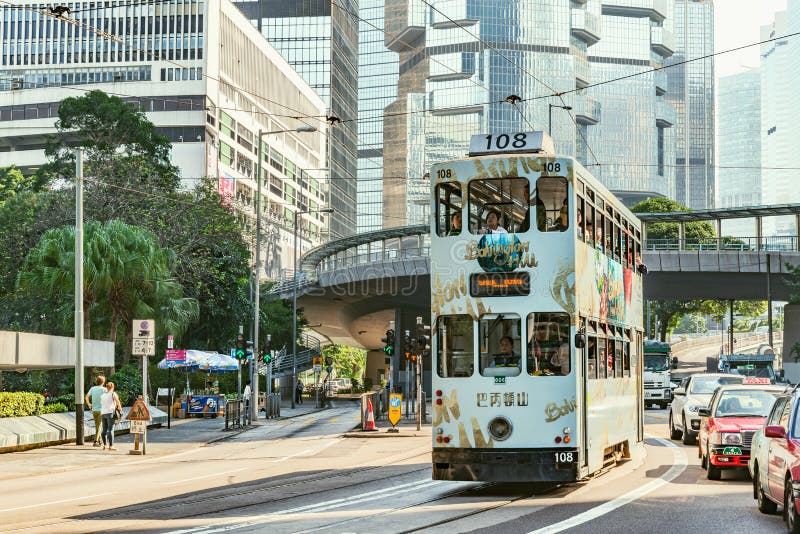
(233, 414)
(365, 258)
(380, 405)
(282, 364)
(272, 405)
(727, 243)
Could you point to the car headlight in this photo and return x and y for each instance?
(730, 438)
(693, 408)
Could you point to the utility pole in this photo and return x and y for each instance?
(257, 299)
(769, 300)
(79, 297)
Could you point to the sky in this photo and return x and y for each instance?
(738, 22)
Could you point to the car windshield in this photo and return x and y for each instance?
(745, 402)
(705, 385)
(656, 362)
(754, 370)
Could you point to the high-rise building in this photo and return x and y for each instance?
(319, 38)
(462, 64)
(779, 118)
(203, 76)
(691, 92)
(377, 88)
(739, 146)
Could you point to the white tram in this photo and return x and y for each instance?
(536, 300)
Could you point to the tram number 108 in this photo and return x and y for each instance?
(565, 457)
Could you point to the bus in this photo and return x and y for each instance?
(536, 314)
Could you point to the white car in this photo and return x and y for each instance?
(694, 393)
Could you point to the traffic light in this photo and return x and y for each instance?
(388, 342)
(240, 349)
(248, 350)
(423, 338)
(266, 356)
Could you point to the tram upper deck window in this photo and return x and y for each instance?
(548, 344)
(499, 205)
(552, 206)
(455, 353)
(448, 209)
(500, 345)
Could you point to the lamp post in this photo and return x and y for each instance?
(257, 297)
(550, 116)
(294, 298)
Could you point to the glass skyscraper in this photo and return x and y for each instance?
(377, 88)
(319, 38)
(691, 92)
(459, 61)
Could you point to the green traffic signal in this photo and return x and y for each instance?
(240, 354)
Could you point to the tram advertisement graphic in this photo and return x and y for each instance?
(500, 253)
(395, 403)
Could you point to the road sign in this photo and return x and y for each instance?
(329, 369)
(318, 361)
(317, 368)
(395, 408)
(144, 337)
(178, 356)
(139, 412)
(138, 427)
(170, 341)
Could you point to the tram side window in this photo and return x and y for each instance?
(552, 206)
(590, 231)
(499, 206)
(455, 354)
(448, 210)
(626, 357)
(500, 345)
(618, 365)
(601, 357)
(548, 344)
(591, 357)
(580, 219)
(599, 231)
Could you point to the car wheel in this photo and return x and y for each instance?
(765, 506)
(789, 510)
(703, 460)
(712, 471)
(688, 437)
(673, 434)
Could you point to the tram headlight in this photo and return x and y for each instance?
(500, 428)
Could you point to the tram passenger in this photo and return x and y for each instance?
(493, 224)
(455, 224)
(506, 357)
(579, 223)
(562, 223)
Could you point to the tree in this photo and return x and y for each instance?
(349, 362)
(121, 145)
(126, 274)
(661, 230)
(276, 319)
(12, 183)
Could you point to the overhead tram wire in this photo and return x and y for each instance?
(454, 108)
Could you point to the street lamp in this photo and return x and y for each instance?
(550, 116)
(294, 298)
(257, 303)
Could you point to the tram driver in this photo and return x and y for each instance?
(506, 357)
(493, 224)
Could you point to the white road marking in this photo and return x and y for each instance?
(317, 507)
(204, 476)
(679, 464)
(48, 503)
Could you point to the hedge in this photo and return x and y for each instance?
(54, 407)
(20, 404)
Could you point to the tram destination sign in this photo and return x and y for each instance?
(516, 142)
(500, 284)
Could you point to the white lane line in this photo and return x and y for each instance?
(204, 476)
(48, 503)
(679, 464)
(317, 507)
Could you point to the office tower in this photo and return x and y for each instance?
(319, 38)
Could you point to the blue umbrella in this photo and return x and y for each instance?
(218, 363)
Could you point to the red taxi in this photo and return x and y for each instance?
(733, 416)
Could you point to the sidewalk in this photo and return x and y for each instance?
(184, 434)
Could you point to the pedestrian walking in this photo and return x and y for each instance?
(111, 411)
(94, 403)
(298, 392)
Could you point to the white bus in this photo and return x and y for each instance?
(536, 302)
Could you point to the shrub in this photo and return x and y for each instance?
(68, 400)
(20, 404)
(54, 407)
(127, 383)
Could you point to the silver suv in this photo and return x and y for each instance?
(694, 393)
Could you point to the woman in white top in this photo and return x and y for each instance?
(109, 404)
(493, 224)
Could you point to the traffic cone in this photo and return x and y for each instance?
(369, 425)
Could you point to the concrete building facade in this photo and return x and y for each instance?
(202, 74)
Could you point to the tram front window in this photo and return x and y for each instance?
(548, 344)
(499, 205)
(500, 345)
(455, 356)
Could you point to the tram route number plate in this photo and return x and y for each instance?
(499, 380)
(566, 459)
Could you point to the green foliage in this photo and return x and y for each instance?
(276, 319)
(54, 407)
(20, 404)
(660, 230)
(718, 309)
(13, 183)
(67, 399)
(127, 383)
(349, 362)
(368, 383)
(691, 324)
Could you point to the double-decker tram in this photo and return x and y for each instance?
(536, 301)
